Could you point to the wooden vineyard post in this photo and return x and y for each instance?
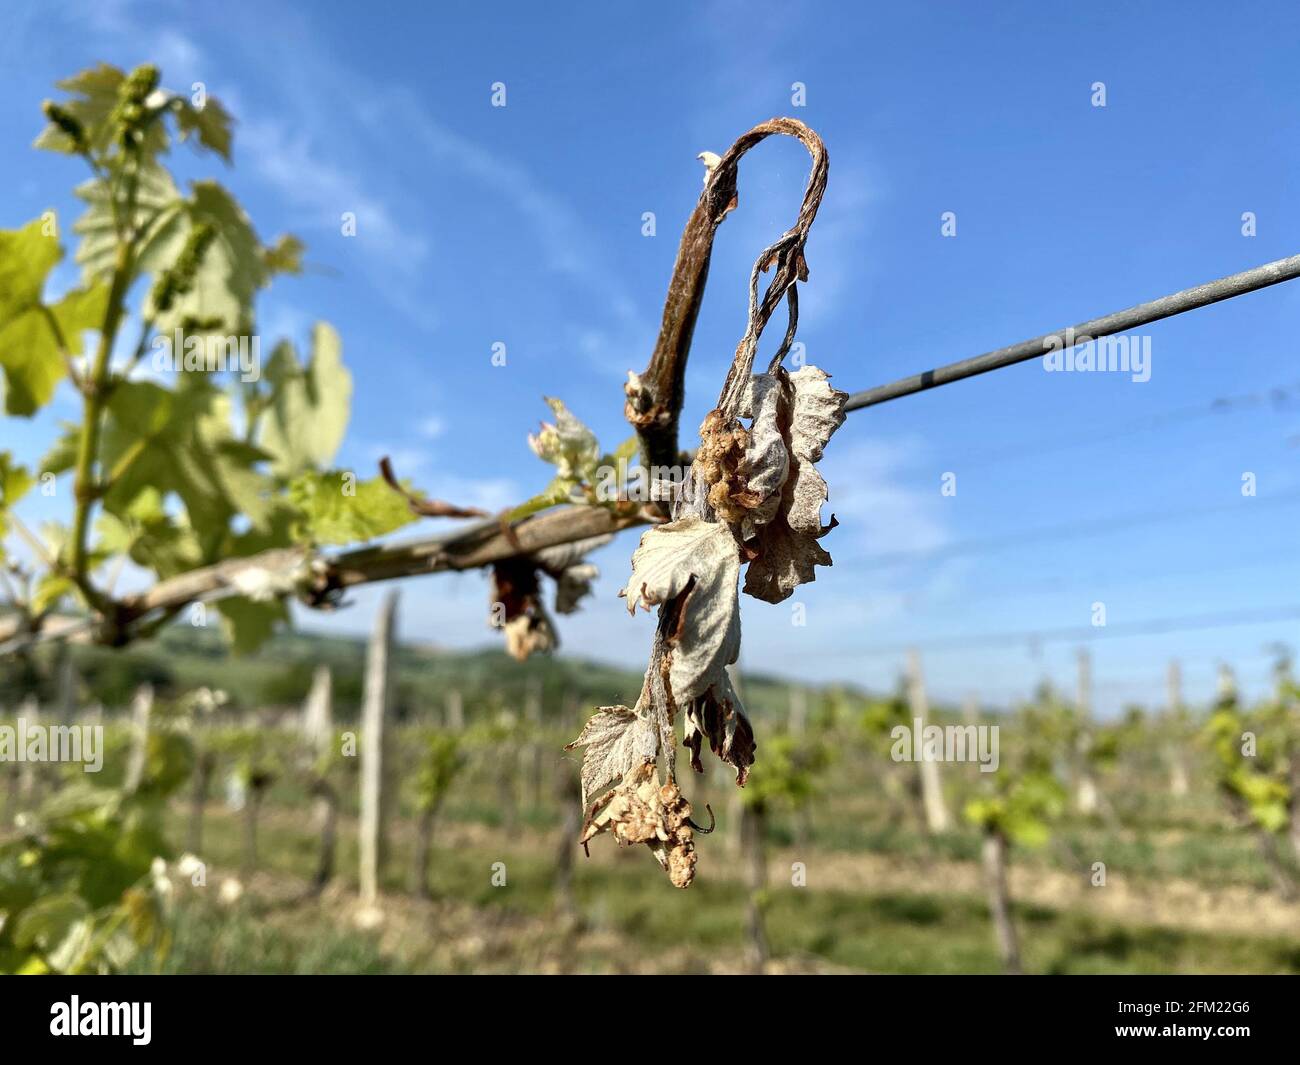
(569, 794)
(936, 809)
(318, 713)
(1293, 774)
(205, 761)
(455, 710)
(753, 833)
(1174, 685)
(798, 725)
(1226, 684)
(1282, 877)
(30, 712)
(141, 711)
(251, 809)
(970, 719)
(506, 768)
(798, 711)
(374, 718)
(1178, 784)
(532, 750)
(995, 875)
(318, 733)
(1085, 796)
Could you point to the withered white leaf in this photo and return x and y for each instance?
(517, 608)
(786, 548)
(818, 412)
(530, 634)
(670, 555)
(767, 459)
(618, 740)
(554, 560)
(573, 575)
(573, 585)
(704, 557)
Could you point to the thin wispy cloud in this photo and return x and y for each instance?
(432, 427)
(566, 244)
(324, 197)
(870, 498)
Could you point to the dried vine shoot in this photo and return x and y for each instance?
(753, 499)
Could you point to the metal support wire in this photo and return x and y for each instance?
(1108, 325)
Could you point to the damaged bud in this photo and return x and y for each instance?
(523, 618)
(641, 810)
(719, 466)
(517, 594)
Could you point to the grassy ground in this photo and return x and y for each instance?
(875, 911)
(1186, 888)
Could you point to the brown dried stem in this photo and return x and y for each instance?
(655, 397)
(426, 508)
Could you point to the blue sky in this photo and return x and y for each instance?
(523, 225)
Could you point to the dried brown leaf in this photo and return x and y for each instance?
(530, 634)
(717, 468)
(784, 547)
(521, 615)
(719, 716)
(641, 810)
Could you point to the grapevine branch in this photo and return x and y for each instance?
(480, 544)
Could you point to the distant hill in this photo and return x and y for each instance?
(183, 657)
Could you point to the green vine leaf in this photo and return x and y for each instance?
(336, 508)
(30, 331)
(158, 218)
(581, 468)
(180, 442)
(50, 589)
(94, 96)
(15, 482)
(249, 624)
(284, 256)
(211, 123)
(307, 413)
(1023, 809)
(150, 536)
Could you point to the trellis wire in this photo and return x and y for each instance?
(1108, 325)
